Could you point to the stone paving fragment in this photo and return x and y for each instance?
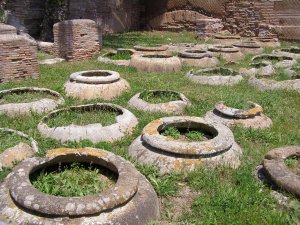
(248, 118)
(279, 173)
(39, 106)
(51, 61)
(19, 152)
(215, 77)
(169, 155)
(175, 107)
(93, 84)
(132, 200)
(125, 123)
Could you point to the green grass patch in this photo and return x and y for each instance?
(119, 56)
(217, 72)
(237, 103)
(273, 60)
(293, 163)
(24, 97)
(156, 97)
(8, 140)
(225, 196)
(42, 56)
(184, 135)
(163, 185)
(75, 180)
(82, 118)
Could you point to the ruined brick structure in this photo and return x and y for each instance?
(111, 15)
(76, 39)
(18, 58)
(244, 17)
(247, 18)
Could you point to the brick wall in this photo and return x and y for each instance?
(18, 59)
(76, 40)
(245, 17)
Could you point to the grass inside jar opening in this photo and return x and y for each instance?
(25, 97)
(281, 75)
(237, 103)
(9, 140)
(293, 163)
(105, 117)
(272, 59)
(158, 56)
(150, 45)
(217, 72)
(119, 56)
(96, 74)
(197, 51)
(73, 180)
(156, 97)
(187, 135)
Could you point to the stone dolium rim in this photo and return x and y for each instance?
(10, 156)
(254, 110)
(88, 85)
(26, 108)
(176, 107)
(252, 117)
(223, 48)
(250, 47)
(125, 123)
(215, 78)
(171, 155)
(156, 63)
(225, 39)
(246, 44)
(194, 53)
(228, 52)
(279, 173)
(198, 57)
(283, 61)
(131, 200)
(95, 77)
(268, 84)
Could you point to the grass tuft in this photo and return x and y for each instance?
(75, 180)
